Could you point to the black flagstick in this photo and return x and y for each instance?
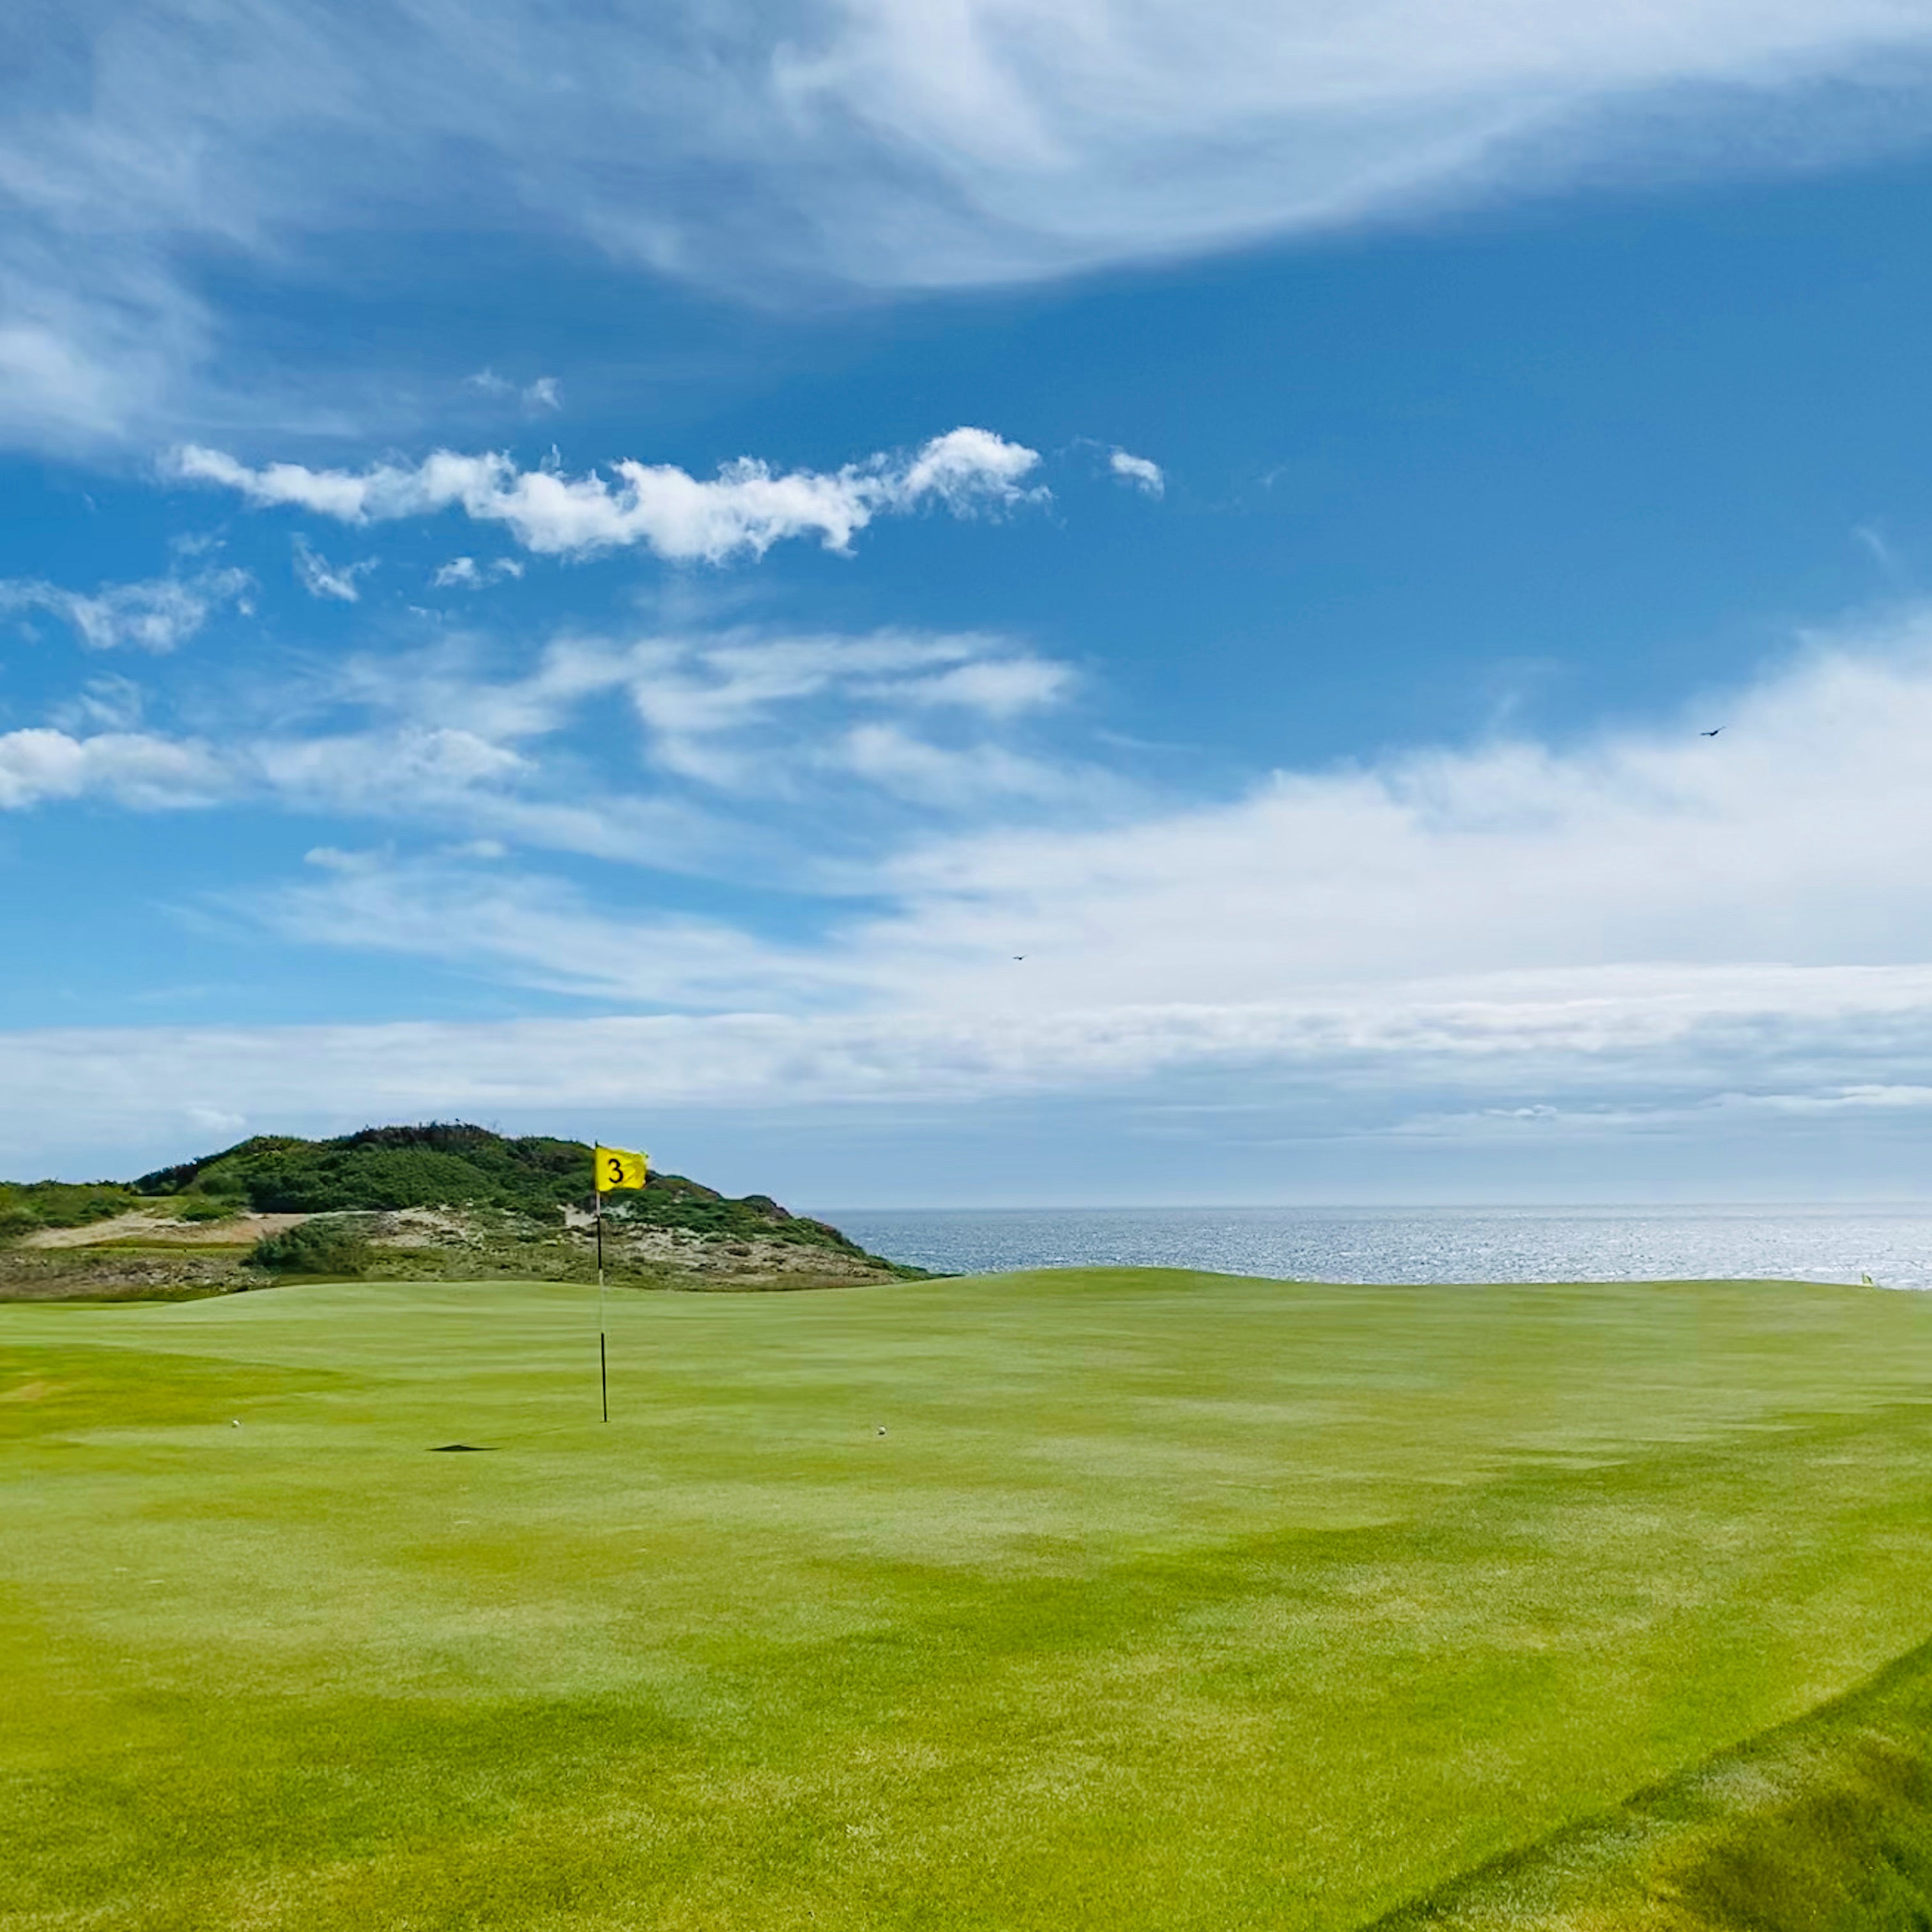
(603, 1371)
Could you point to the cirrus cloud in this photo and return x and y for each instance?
(154, 615)
(865, 142)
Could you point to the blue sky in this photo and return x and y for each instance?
(608, 573)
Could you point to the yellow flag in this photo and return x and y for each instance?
(618, 1167)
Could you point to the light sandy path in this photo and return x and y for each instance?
(140, 1226)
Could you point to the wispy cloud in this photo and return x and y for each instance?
(954, 778)
(863, 141)
(1639, 935)
(848, 737)
(1143, 472)
(157, 614)
(1784, 840)
(1001, 686)
(321, 578)
(1582, 892)
(505, 924)
(1074, 135)
(761, 713)
(1505, 935)
(465, 573)
(545, 393)
(420, 764)
(744, 510)
(834, 729)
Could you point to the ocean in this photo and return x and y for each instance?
(1892, 1244)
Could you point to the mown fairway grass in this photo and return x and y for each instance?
(1166, 1601)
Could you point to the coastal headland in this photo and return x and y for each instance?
(442, 1200)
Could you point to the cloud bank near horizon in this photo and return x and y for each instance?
(1642, 928)
(1517, 1063)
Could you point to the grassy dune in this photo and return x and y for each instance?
(1166, 1601)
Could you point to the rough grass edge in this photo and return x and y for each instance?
(1822, 1822)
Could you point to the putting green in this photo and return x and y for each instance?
(1163, 1600)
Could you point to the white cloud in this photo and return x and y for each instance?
(1643, 936)
(97, 342)
(706, 684)
(748, 718)
(411, 768)
(1639, 886)
(321, 578)
(715, 706)
(545, 393)
(1787, 839)
(464, 573)
(745, 510)
(453, 778)
(886, 144)
(841, 729)
(1142, 472)
(1071, 136)
(1792, 839)
(108, 704)
(1002, 687)
(1640, 930)
(154, 615)
(132, 768)
(899, 761)
(537, 932)
(423, 770)
(1636, 1041)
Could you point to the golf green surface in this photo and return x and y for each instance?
(1112, 1599)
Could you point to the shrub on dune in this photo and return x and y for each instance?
(312, 1247)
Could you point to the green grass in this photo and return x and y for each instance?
(1825, 1822)
(27, 1206)
(1167, 1601)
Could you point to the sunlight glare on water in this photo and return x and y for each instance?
(1892, 1244)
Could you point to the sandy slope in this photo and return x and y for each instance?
(140, 1225)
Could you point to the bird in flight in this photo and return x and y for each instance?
(1710, 734)
(1018, 957)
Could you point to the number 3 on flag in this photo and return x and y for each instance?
(618, 1167)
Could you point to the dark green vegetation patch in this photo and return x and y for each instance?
(451, 1164)
(314, 1247)
(437, 1165)
(434, 1165)
(28, 1206)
